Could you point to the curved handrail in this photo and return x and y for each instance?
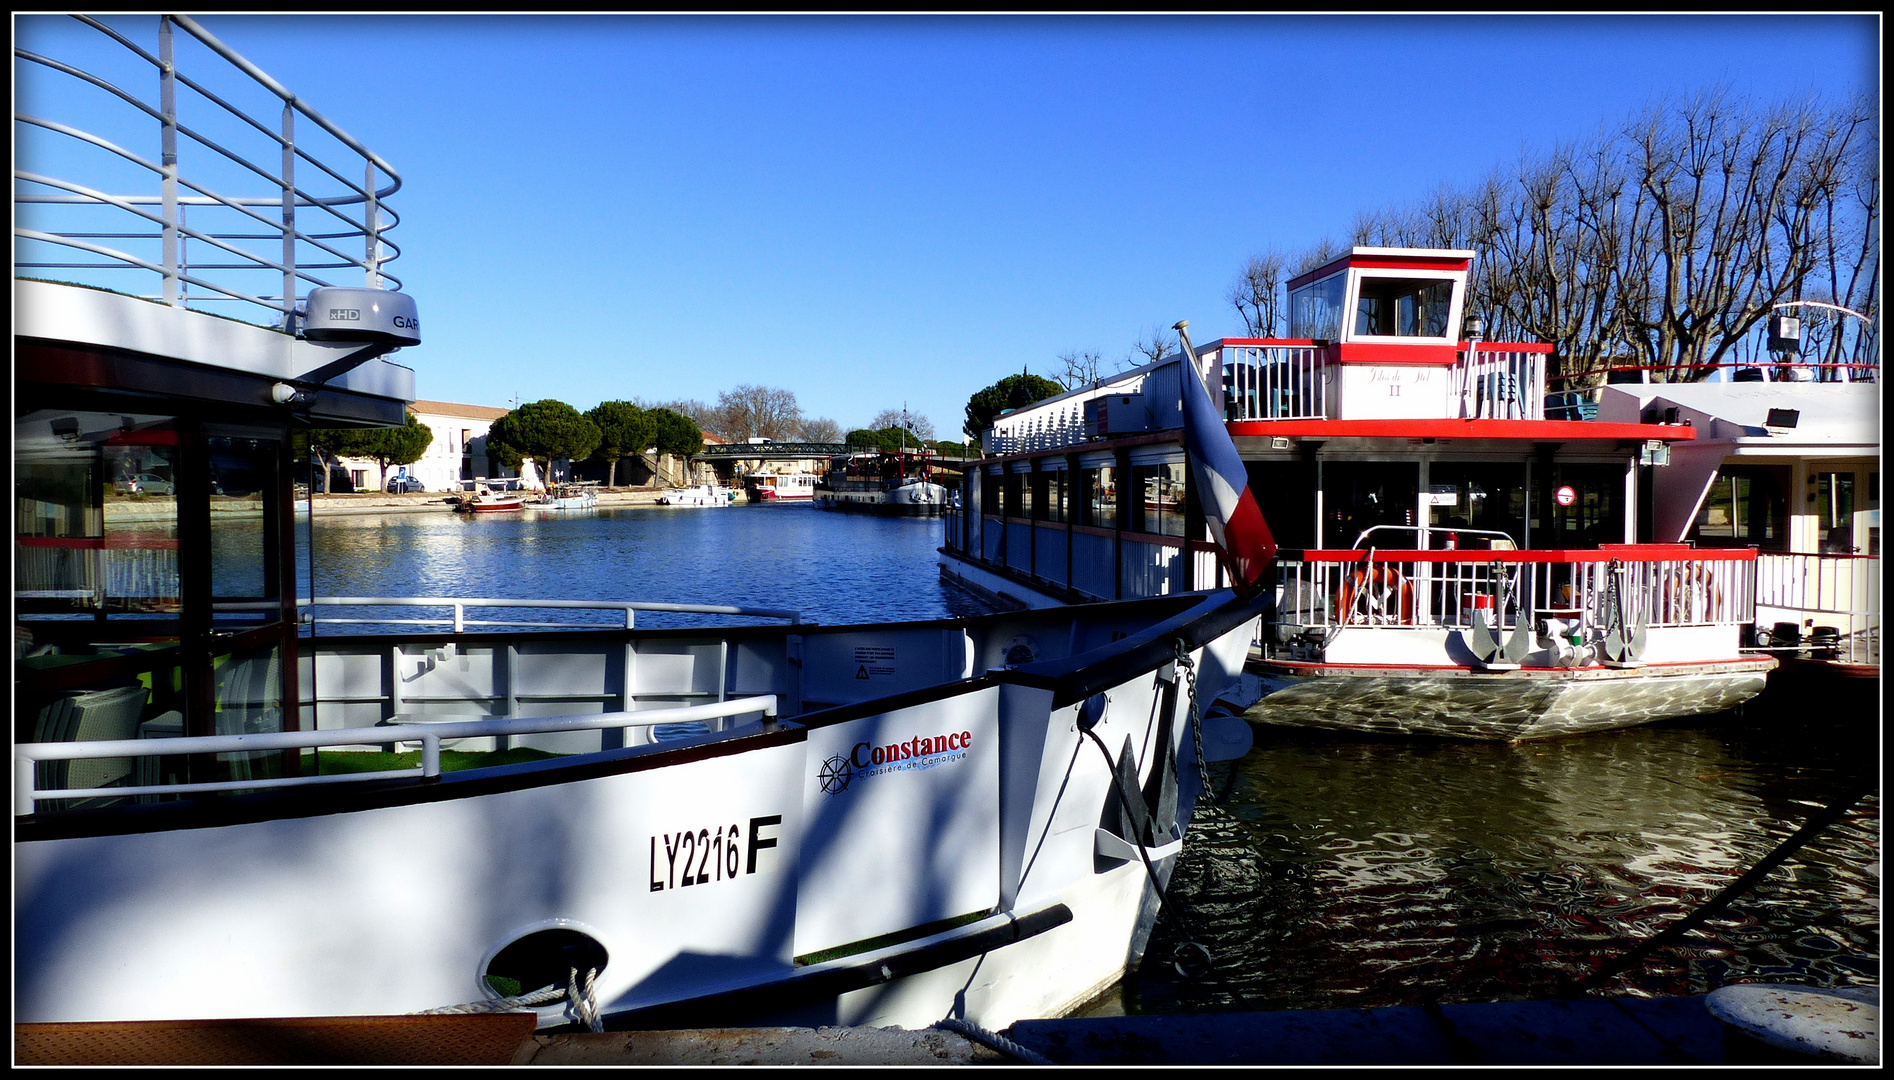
(429, 735)
(165, 224)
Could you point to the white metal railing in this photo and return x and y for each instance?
(1501, 381)
(1275, 381)
(254, 249)
(429, 734)
(457, 606)
(1839, 592)
(1446, 589)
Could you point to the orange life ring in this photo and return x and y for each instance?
(1381, 594)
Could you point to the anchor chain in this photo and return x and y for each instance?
(1182, 656)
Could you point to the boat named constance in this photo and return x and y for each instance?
(230, 802)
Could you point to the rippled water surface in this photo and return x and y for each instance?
(1344, 873)
(833, 567)
(1339, 872)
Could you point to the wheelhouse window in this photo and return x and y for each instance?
(1403, 307)
(1315, 309)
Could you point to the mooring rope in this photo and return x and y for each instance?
(581, 1001)
(993, 1039)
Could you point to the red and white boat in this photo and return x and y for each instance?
(781, 487)
(485, 500)
(1454, 562)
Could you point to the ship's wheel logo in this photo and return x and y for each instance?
(835, 775)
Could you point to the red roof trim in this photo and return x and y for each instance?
(1534, 430)
(1379, 262)
(1390, 352)
(1603, 553)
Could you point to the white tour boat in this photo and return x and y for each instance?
(772, 487)
(1454, 562)
(700, 495)
(221, 812)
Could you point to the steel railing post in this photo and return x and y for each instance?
(289, 216)
(168, 160)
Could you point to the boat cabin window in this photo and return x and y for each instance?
(990, 493)
(1597, 511)
(1403, 307)
(1099, 497)
(96, 532)
(1747, 506)
(1015, 494)
(1158, 494)
(1835, 512)
(1486, 495)
(149, 559)
(1049, 495)
(1315, 309)
(1358, 495)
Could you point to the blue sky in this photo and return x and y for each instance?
(878, 211)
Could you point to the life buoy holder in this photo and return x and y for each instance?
(1377, 595)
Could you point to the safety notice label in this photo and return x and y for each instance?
(874, 662)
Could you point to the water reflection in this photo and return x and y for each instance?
(835, 568)
(1350, 874)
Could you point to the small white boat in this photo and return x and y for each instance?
(571, 495)
(701, 495)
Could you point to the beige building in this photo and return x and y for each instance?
(458, 452)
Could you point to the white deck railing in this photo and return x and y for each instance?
(1838, 591)
(458, 622)
(1444, 589)
(1501, 381)
(1278, 380)
(429, 734)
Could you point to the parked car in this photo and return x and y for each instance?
(402, 485)
(145, 484)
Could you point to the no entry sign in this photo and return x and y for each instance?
(1565, 496)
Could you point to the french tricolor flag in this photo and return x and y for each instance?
(1223, 486)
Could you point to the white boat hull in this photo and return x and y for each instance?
(395, 896)
(908, 500)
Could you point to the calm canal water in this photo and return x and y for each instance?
(1339, 872)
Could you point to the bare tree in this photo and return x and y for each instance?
(1666, 242)
(1254, 294)
(919, 426)
(1316, 255)
(750, 411)
(1153, 345)
(821, 429)
(1077, 367)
